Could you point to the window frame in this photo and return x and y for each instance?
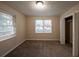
(9, 35)
(43, 26)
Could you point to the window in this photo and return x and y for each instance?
(6, 24)
(43, 26)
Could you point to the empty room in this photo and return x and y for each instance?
(39, 28)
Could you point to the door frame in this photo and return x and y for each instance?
(72, 14)
(74, 29)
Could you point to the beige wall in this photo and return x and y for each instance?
(8, 44)
(30, 25)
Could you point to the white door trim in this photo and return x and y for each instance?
(75, 30)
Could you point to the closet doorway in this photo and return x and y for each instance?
(68, 30)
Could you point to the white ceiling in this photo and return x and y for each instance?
(52, 8)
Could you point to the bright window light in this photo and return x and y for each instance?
(6, 24)
(43, 26)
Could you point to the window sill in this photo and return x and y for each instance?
(7, 37)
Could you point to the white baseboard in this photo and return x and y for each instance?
(13, 48)
(45, 39)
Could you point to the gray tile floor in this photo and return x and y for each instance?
(39, 48)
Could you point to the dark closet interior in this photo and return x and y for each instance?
(68, 30)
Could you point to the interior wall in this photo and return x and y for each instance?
(8, 44)
(71, 11)
(55, 35)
